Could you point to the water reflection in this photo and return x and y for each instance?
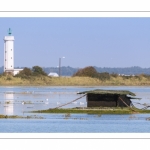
(8, 103)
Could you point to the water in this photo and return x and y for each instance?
(19, 100)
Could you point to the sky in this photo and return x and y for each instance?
(83, 41)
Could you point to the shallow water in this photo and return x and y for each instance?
(19, 100)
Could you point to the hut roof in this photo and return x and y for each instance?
(108, 92)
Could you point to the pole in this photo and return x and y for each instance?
(59, 66)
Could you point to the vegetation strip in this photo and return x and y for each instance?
(94, 111)
(20, 117)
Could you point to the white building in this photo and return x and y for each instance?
(9, 54)
(53, 74)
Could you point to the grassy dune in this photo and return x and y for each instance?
(73, 81)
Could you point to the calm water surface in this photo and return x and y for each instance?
(19, 100)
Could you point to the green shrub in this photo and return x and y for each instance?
(38, 71)
(25, 73)
(87, 72)
(91, 72)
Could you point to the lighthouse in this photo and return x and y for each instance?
(9, 52)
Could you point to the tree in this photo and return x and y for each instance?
(87, 72)
(25, 73)
(91, 72)
(38, 71)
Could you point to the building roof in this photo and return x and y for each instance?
(108, 92)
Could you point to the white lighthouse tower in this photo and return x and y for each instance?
(9, 52)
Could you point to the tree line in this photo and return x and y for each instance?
(69, 71)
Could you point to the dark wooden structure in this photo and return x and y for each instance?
(108, 98)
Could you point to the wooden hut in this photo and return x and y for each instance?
(108, 98)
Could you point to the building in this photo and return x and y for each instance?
(53, 74)
(108, 98)
(9, 54)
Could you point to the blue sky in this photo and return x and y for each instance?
(101, 42)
